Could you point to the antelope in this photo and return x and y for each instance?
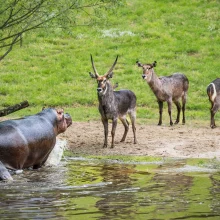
(213, 91)
(114, 105)
(167, 89)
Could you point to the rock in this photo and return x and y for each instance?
(57, 153)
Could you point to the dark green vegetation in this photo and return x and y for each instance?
(52, 67)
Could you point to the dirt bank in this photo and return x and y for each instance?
(192, 141)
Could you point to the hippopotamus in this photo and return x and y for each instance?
(27, 142)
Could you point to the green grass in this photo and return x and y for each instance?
(51, 68)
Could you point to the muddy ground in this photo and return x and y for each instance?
(182, 141)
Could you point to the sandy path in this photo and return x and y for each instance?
(177, 141)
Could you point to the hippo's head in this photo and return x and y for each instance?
(64, 120)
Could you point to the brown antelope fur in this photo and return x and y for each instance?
(213, 92)
(167, 89)
(114, 105)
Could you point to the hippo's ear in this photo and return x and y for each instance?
(60, 114)
(60, 111)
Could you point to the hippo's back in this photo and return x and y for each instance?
(28, 129)
(25, 142)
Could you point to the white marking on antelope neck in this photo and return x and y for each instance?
(148, 77)
(214, 94)
(105, 90)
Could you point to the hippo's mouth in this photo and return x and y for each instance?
(68, 119)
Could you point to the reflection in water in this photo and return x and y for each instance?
(215, 192)
(116, 201)
(170, 191)
(93, 189)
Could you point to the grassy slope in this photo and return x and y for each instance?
(52, 67)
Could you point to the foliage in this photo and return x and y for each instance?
(52, 67)
(21, 16)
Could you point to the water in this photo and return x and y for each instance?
(99, 189)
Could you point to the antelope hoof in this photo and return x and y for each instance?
(213, 126)
(112, 146)
(160, 123)
(176, 122)
(171, 123)
(104, 146)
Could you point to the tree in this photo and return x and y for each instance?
(20, 16)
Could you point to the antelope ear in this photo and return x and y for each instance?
(92, 75)
(110, 75)
(139, 64)
(154, 63)
(115, 86)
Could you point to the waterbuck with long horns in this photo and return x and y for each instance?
(167, 89)
(114, 104)
(213, 91)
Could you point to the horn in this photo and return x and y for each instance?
(93, 66)
(112, 67)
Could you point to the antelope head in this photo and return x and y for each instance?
(147, 70)
(102, 80)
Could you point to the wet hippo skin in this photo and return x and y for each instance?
(27, 142)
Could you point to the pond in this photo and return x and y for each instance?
(81, 188)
